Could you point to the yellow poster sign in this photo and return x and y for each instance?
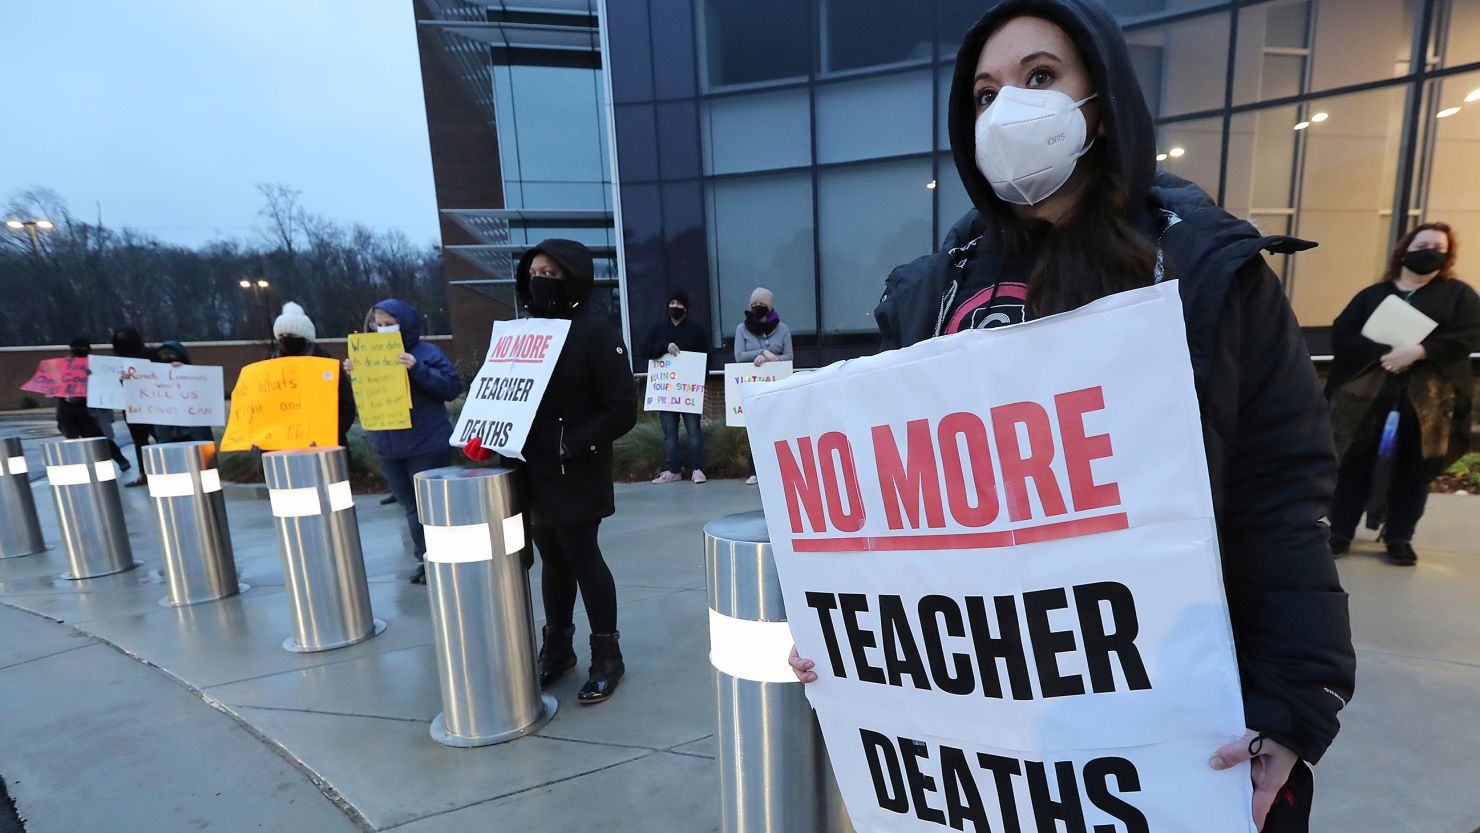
(279, 404)
(382, 388)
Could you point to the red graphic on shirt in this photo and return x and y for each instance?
(998, 305)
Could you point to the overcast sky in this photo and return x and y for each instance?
(168, 112)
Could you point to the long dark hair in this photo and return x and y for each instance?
(1092, 252)
(1395, 260)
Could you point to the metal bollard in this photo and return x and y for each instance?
(191, 509)
(319, 538)
(84, 484)
(20, 529)
(481, 613)
(773, 769)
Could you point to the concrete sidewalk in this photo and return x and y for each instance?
(124, 715)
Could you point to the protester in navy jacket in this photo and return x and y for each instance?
(406, 451)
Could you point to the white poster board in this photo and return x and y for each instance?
(999, 548)
(740, 374)
(105, 380)
(1397, 323)
(505, 395)
(676, 383)
(190, 395)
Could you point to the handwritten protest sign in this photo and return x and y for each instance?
(506, 394)
(382, 388)
(284, 403)
(676, 383)
(741, 374)
(155, 393)
(999, 548)
(63, 378)
(105, 380)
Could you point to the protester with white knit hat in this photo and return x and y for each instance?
(294, 335)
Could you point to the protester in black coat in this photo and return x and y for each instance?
(678, 333)
(174, 353)
(130, 345)
(589, 404)
(75, 420)
(1116, 224)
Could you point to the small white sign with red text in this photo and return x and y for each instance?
(506, 393)
(999, 548)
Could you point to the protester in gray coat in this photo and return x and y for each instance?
(762, 337)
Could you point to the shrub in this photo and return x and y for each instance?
(364, 466)
(639, 455)
(1465, 473)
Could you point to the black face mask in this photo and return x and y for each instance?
(677, 313)
(759, 313)
(80, 352)
(292, 345)
(1425, 261)
(547, 297)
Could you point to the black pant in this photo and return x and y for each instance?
(75, 421)
(140, 435)
(573, 559)
(1407, 492)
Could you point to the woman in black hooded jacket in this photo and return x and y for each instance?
(1052, 231)
(589, 403)
(128, 344)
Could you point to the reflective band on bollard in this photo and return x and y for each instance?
(20, 528)
(319, 538)
(191, 509)
(773, 770)
(84, 484)
(479, 595)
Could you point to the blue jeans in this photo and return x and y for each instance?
(398, 475)
(670, 440)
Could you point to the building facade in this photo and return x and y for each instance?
(801, 145)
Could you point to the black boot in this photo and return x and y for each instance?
(606, 668)
(1401, 554)
(1340, 546)
(557, 654)
(419, 575)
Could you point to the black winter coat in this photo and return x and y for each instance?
(590, 403)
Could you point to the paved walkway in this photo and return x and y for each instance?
(120, 714)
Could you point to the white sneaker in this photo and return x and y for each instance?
(752, 480)
(668, 477)
(698, 476)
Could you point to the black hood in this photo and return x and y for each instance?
(175, 346)
(573, 257)
(1129, 144)
(128, 343)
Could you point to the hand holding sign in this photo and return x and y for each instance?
(64, 378)
(285, 403)
(676, 383)
(377, 374)
(506, 394)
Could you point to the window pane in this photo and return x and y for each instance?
(950, 195)
(873, 218)
(1292, 46)
(552, 139)
(1183, 67)
(753, 41)
(1333, 178)
(1193, 150)
(757, 132)
(872, 117)
(760, 234)
(858, 34)
(1462, 41)
(1133, 9)
(1454, 166)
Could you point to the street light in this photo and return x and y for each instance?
(30, 227)
(262, 284)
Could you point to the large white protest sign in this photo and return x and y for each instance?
(741, 374)
(504, 397)
(999, 548)
(155, 393)
(676, 383)
(105, 380)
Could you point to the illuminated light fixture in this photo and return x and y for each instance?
(1317, 118)
(45, 225)
(15, 224)
(294, 503)
(1446, 112)
(106, 470)
(750, 650)
(246, 284)
(340, 497)
(262, 284)
(1177, 153)
(930, 185)
(210, 480)
(171, 485)
(1161, 157)
(74, 474)
(1302, 125)
(461, 544)
(513, 534)
(1472, 97)
(18, 465)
